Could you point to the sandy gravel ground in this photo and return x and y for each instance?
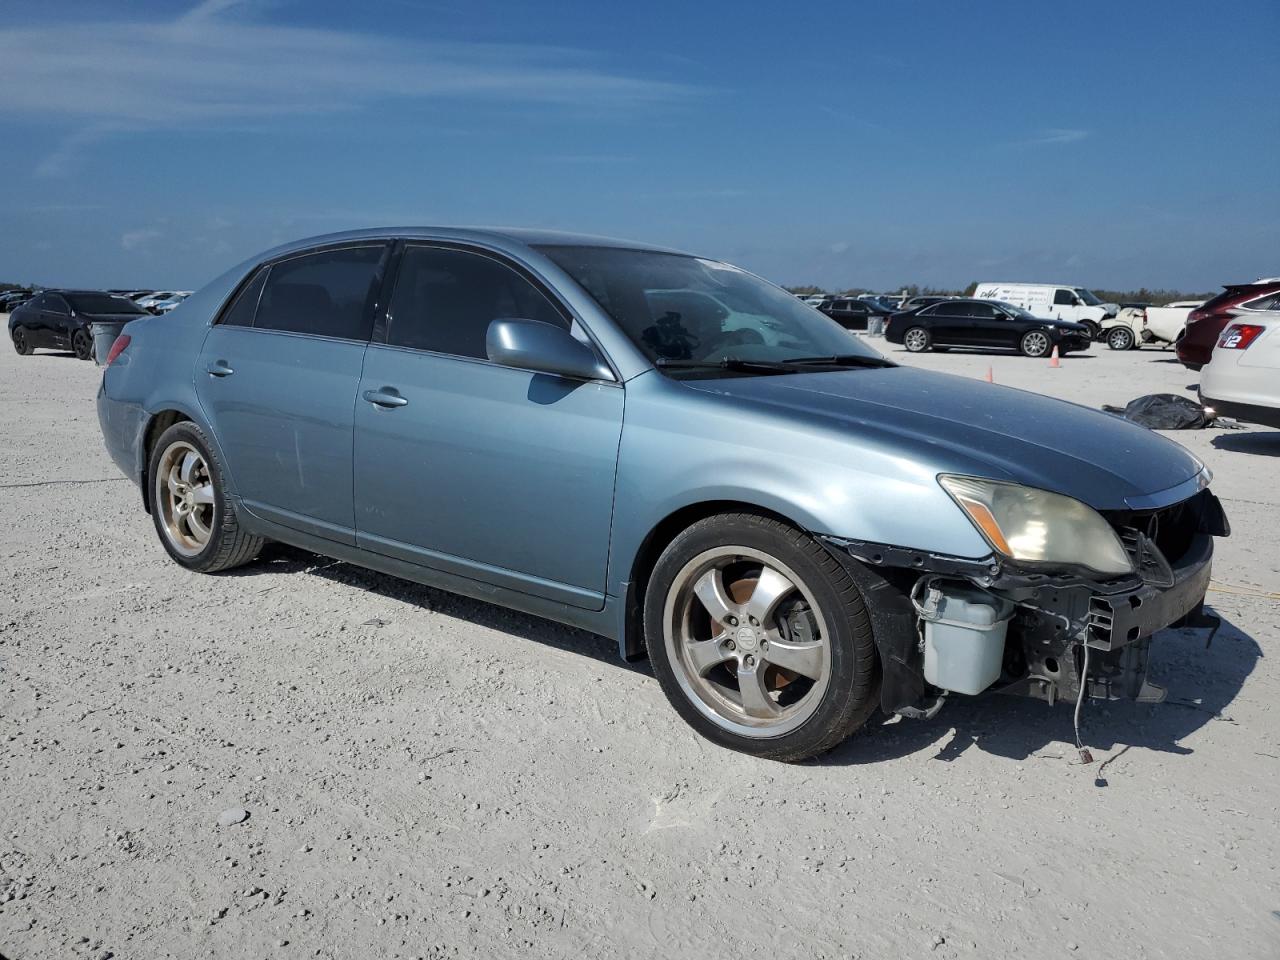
(429, 776)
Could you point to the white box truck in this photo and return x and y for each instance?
(1052, 301)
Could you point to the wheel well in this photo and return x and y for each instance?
(651, 549)
(161, 422)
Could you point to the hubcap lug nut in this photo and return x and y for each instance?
(731, 621)
(731, 645)
(754, 622)
(749, 660)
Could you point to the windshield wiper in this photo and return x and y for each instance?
(728, 363)
(840, 360)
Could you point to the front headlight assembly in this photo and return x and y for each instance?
(1036, 526)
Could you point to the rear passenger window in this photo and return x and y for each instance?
(444, 301)
(246, 302)
(328, 293)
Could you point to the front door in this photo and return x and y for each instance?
(277, 379)
(991, 326)
(500, 475)
(55, 321)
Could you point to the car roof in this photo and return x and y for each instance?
(500, 236)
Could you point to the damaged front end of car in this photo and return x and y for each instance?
(1034, 627)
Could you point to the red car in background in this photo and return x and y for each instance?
(1206, 322)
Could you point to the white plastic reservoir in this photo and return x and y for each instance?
(964, 631)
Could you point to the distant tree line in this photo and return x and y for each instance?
(1141, 295)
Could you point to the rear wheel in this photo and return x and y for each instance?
(22, 340)
(917, 340)
(192, 511)
(1035, 343)
(1120, 338)
(82, 344)
(759, 638)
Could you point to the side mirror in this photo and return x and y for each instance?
(544, 348)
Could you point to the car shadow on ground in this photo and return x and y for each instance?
(280, 558)
(1265, 444)
(1201, 685)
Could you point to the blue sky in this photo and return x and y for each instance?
(841, 143)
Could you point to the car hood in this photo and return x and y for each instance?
(965, 426)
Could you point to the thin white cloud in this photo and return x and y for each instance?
(213, 67)
(1059, 135)
(133, 239)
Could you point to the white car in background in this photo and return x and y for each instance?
(164, 306)
(148, 302)
(1134, 326)
(1242, 378)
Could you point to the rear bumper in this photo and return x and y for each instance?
(122, 425)
(1248, 412)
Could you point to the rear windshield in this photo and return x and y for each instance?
(102, 303)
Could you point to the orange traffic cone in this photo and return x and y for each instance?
(989, 378)
(1053, 360)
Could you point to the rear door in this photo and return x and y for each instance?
(950, 322)
(278, 377)
(488, 472)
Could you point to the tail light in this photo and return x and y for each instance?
(1238, 336)
(1196, 315)
(1144, 316)
(117, 348)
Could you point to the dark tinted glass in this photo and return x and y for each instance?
(102, 303)
(246, 303)
(1064, 298)
(327, 293)
(56, 304)
(951, 308)
(984, 311)
(444, 301)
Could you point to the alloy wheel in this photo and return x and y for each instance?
(916, 340)
(82, 344)
(1120, 339)
(1035, 344)
(20, 341)
(184, 495)
(748, 642)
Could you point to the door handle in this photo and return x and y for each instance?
(386, 397)
(219, 368)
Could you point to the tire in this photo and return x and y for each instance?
(21, 341)
(917, 340)
(82, 344)
(816, 621)
(196, 522)
(1121, 338)
(1095, 329)
(1035, 343)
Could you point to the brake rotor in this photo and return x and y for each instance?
(740, 591)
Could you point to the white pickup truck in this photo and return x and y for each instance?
(1134, 326)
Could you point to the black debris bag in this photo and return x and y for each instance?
(1163, 411)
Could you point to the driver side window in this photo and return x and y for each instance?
(1064, 298)
(445, 299)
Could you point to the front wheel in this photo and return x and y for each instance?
(22, 341)
(760, 639)
(917, 340)
(1120, 338)
(1035, 343)
(82, 344)
(1095, 330)
(190, 505)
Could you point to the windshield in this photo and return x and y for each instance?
(102, 303)
(1088, 297)
(677, 308)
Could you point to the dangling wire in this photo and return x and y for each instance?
(1085, 755)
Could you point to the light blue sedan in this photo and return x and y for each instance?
(672, 453)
